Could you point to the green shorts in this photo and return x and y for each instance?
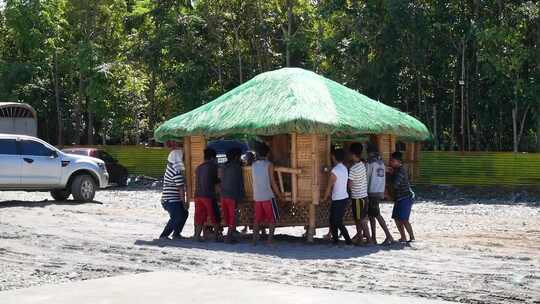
(360, 208)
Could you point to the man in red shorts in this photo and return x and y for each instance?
(264, 191)
(206, 182)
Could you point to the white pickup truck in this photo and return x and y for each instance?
(30, 164)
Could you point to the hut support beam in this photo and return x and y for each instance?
(315, 186)
(294, 165)
(187, 174)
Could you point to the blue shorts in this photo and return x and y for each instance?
(402, 209)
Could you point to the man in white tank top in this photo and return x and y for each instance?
(337, 186)
(376, 175)
(264, 194)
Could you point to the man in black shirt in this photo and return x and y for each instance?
(232, 190)
(399, 180)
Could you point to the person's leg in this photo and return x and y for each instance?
(230, 218)
(382, 223)
(176, 217)
(210, 217)
(200, 217)
(184, 214)
(169, 226)
(364, 219)
(401, 230)
(357, 210)
(373, 224)
(333, 228)
(365, 229)
(272, 216)
(409, 229)
(406, 206)
(259, 214)
(339, 218)
(225, 215)
(396, 217)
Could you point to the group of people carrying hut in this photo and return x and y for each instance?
(354, 183)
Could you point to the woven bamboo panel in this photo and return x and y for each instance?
(304, 161)
(386, 144)
(248, 183)
(324, 152)
(411, 157)
(323, 215)
(197, 146)
(293, 215)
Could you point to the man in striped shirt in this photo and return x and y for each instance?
(359, 195)
(173, 196)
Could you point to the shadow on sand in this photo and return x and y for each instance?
(284, 246)
(43, 203)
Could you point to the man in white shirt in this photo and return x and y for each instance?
(337, 186)
(376, 176)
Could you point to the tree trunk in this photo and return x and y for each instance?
(538, 77)
(453, 132)
(152, 101)
(104, 135)
(435, 136)
(239, 54)
(289, 29)
(59, 120)
(514, 127)
(77, 110)
(90, 124)
(538, 131)
(462, 84)
(468, 115)
(522, 126)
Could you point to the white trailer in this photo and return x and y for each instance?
(18, 118)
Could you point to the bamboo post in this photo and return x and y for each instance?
(315, 186)
(187, 164)
(294, 165)
(281, 185)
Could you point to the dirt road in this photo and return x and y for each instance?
(467, 252)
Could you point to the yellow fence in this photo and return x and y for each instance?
(437, 168)
(479, 168)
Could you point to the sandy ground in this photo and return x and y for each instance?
(165, 289)
(471, 252)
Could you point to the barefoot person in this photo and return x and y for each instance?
(206, 181)
(232, 190)
(376, 175)
(399, 180)
(173, 196)
(264, 193)
(337, 187)
(359, 194)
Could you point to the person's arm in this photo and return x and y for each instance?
(273, 183)
(369, 170)
(331, 181)
(180, 184)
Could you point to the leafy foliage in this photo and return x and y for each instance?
(124, 66)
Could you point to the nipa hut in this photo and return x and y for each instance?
(298, 113)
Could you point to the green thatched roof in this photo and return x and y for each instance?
(292, 100)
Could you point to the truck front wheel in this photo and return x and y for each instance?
(60, 195)
(83, 188)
